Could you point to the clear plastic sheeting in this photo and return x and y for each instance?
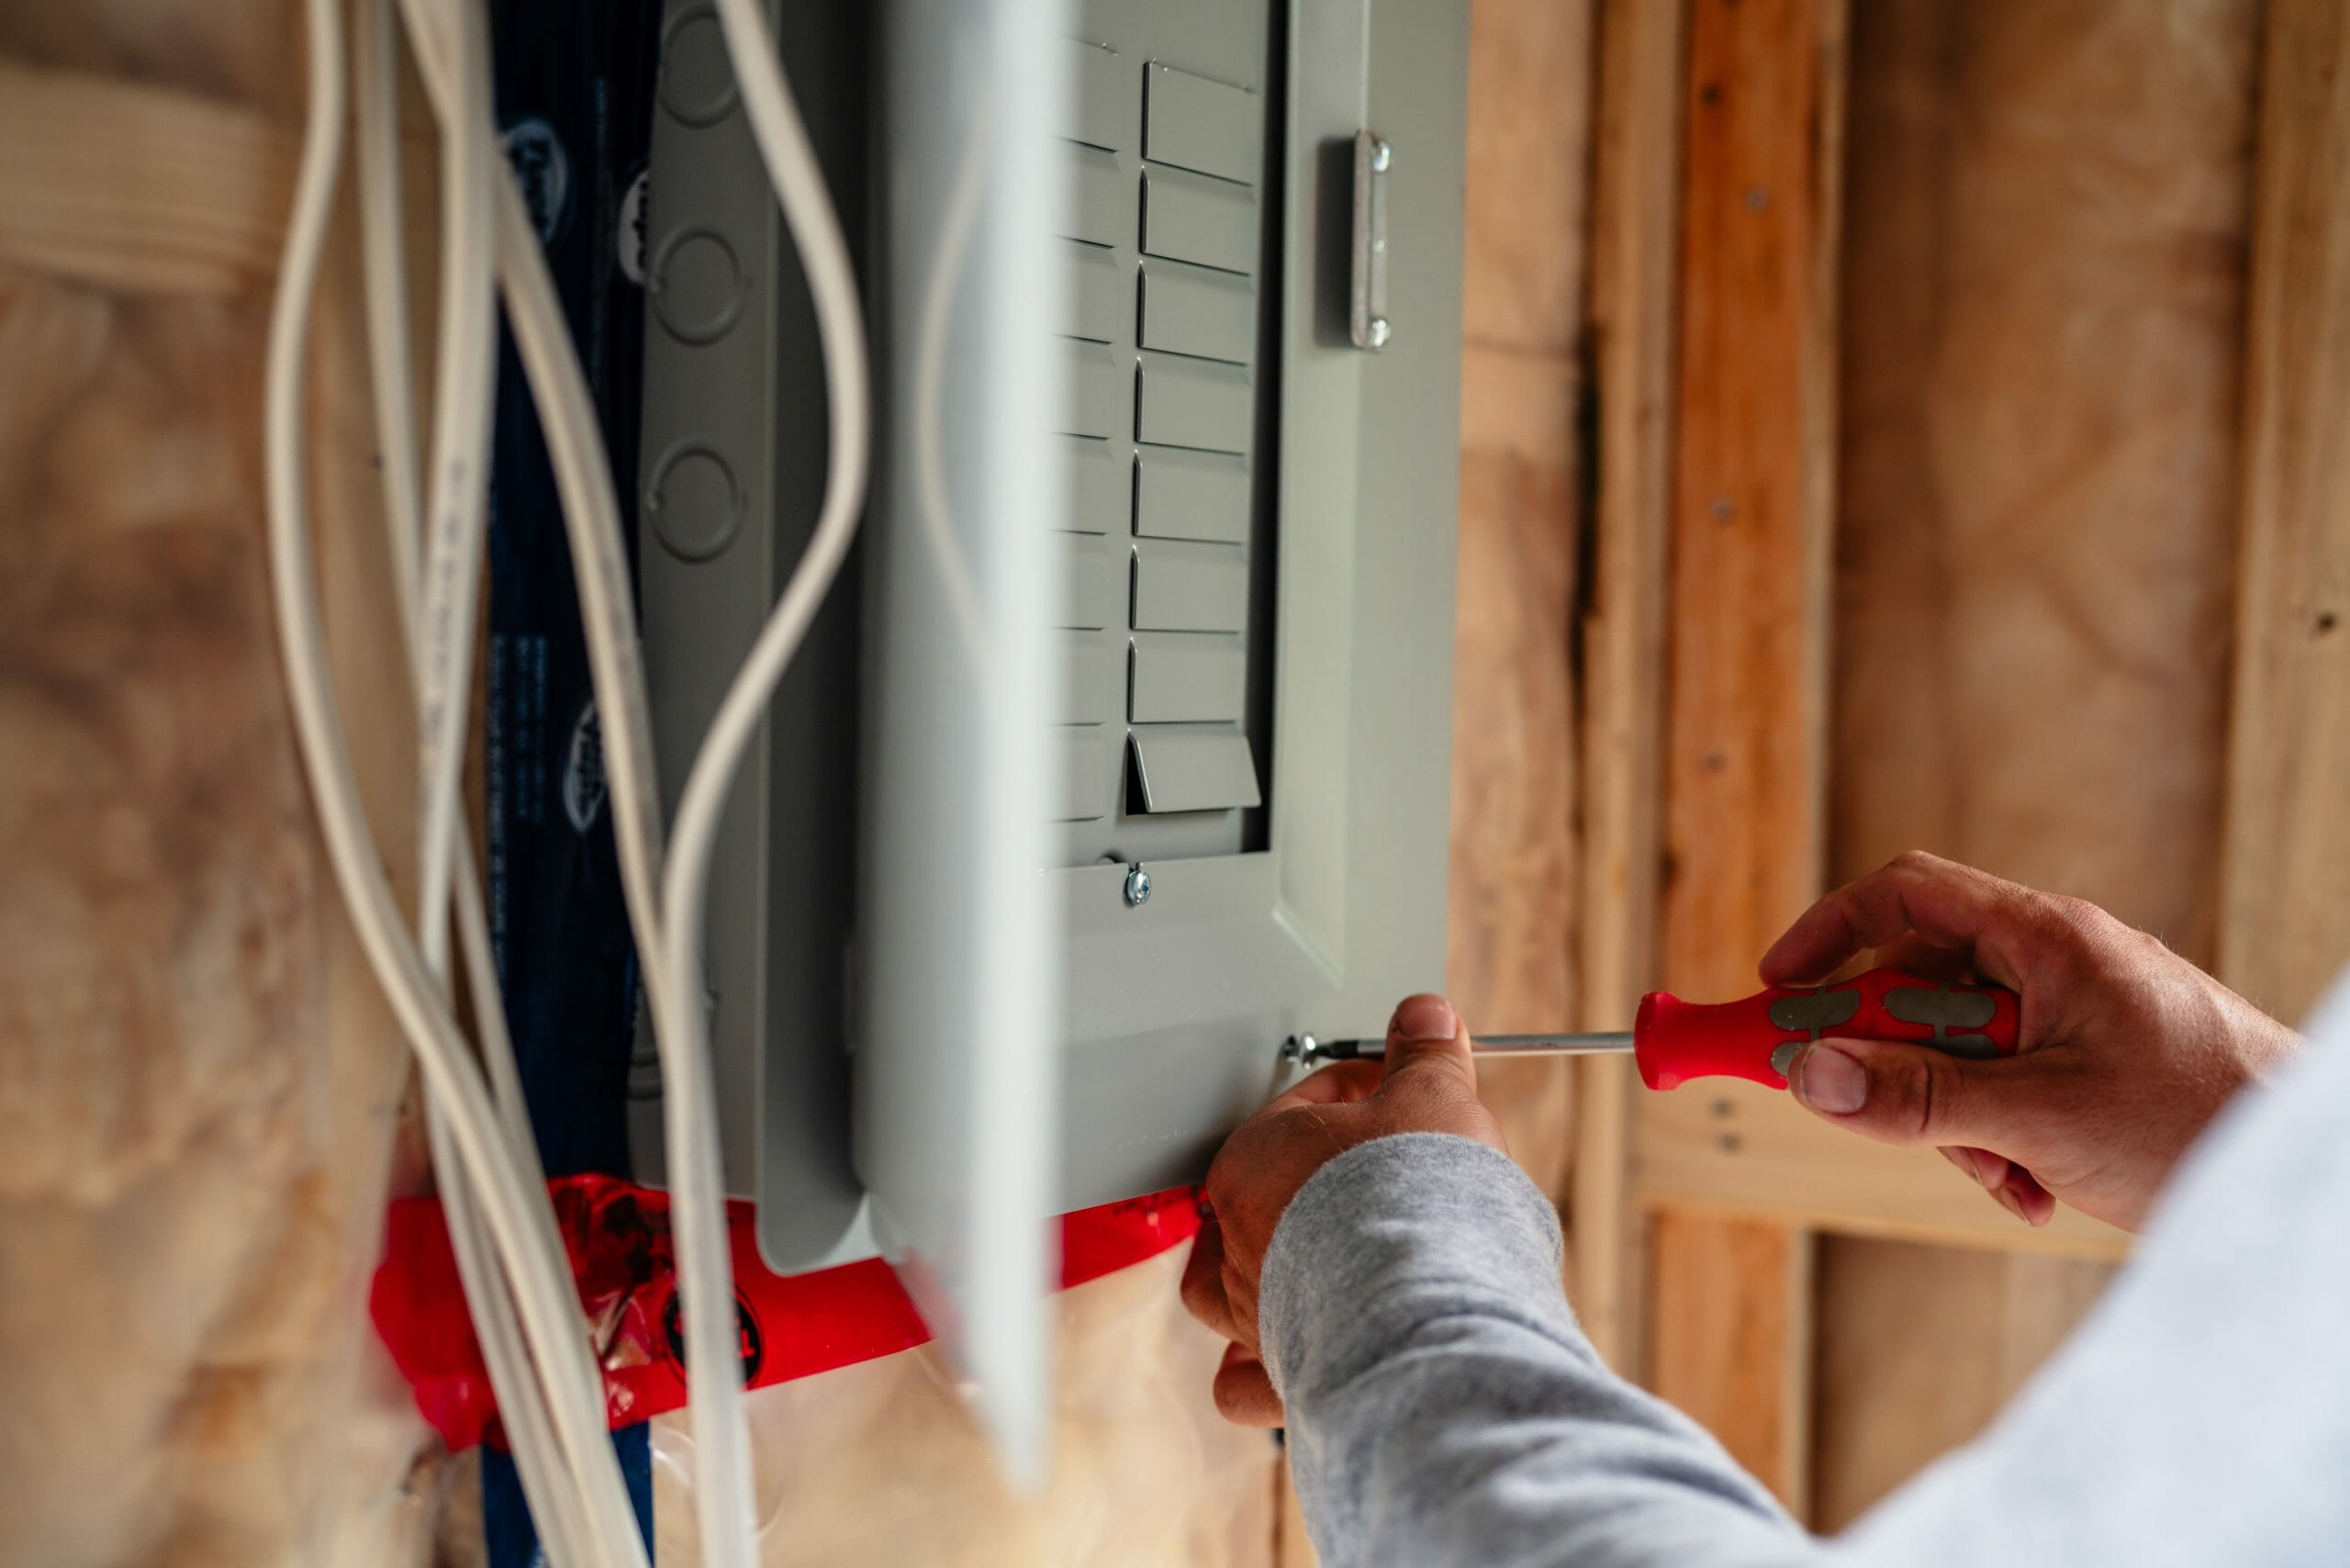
(882, 1463)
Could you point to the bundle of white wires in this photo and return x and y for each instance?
(517, 1284)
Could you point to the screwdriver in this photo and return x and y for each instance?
(1757, 1038)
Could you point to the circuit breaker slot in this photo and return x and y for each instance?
(1190, 311)
(1203, 126)
(1103, 109)
(1100, 486)
(1186, 218)
(1185, 402)
(1188, 677)
(1098, 393)
(1194, 770)
(1191, 495)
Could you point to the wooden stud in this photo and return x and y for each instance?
(1737, 1354)
(1635, 273)
(1739, 1146)
(2285, 914)
(1745, 747)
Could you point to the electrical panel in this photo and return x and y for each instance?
(1123, 753)
(1165, 625)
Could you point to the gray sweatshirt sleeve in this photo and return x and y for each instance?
(1444, 1407)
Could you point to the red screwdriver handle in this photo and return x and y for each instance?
(1757, 1038)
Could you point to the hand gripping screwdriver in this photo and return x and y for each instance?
(1757, 1038)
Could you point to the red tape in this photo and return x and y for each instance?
(617, 1234)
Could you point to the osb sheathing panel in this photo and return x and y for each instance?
(2044, 274)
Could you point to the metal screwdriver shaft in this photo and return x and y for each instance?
(1306, 1051)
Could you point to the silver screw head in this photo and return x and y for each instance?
(1381, 331)
(1381, 155)
(1138, 886)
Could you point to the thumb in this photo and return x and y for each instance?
(1425, 1036)
(1912, 1094)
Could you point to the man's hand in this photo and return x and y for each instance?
(1426, 1083)
(2126, 1050)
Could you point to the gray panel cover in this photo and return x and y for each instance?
(1101, 204)
(1089, 581)
(1100, 486)
(957, 1073)
(1187, 677)
(1097, 297)
(1193, 220)
(1194, 770)
(1190, 587)
(1191, 495)
(1093, 393)
(1187, 403)
(1205, 126)
(1101, 112)
(1342, 912)
(1091, 690)
(1084, 777)
(1194, 311)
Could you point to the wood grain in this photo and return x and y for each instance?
(1514, 856)
(2285, 921)
(1635, 283)
(1527, 199)
(1918, 1348)
(1513, 888)
(1753, 470)
(1745, 753)
(1726, 1145)
(1732, 1340)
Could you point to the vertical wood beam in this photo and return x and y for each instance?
(2285, 908)
(1731, 1341)
(1635, 278)
(1745, 748)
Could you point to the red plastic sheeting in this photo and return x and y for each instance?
(618, 1237)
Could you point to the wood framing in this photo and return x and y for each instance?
(1731, 1146)
(1737, 1353)
(1635, 277)
(1747, 655)
(2285, 911)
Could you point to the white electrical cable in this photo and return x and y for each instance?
(690, 1112)
(514, 1208)
(554, 1503)
(463, 401)
(668, 927)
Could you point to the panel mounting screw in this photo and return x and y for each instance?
(1137, 885)
(1381, 155)
(1380, 331)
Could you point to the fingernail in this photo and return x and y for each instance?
(1833, 1081)
(1965, 1159)
(2011, 1202)
(1425, 1018)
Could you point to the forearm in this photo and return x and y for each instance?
(1444, 1407)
